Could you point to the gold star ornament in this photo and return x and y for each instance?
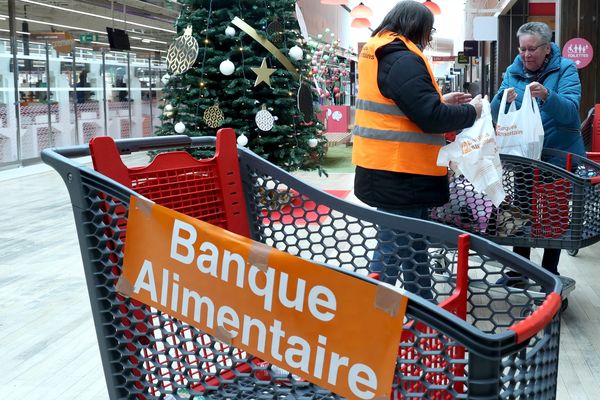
(263, 74)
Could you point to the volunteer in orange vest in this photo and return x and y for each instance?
(401, 118)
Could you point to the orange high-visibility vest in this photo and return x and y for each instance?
(384, 138)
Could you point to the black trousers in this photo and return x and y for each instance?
(549, 260)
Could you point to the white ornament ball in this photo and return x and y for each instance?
(165, 79)
(168, 108)
(227, 67)
(230, 31)
(180, 127)
(242, 140)
(296, 53)
(313, 142)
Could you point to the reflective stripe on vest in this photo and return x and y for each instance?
(397, 136)
(384, 137)
(390, 109)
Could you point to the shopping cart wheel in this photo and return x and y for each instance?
(440, 261)
(573, 253)
(564, 305)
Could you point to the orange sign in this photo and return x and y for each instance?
(61, 41)
(320, 323)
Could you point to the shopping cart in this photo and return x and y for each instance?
(474, 340)
(545, 206)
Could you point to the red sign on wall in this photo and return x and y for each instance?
(580, 51)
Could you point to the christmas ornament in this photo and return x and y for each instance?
(305, 102)
(242, 140)
(263, 73)
(264, 119)
(183, 52)
(165, 79)
(312, 142)
(267, 45)
(180, 127)
(227, 67)
(230, 31)
(169, 111)
(275, 31)
(296, 53)
(213, 116)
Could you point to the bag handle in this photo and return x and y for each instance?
(503, 102)
(527, 99)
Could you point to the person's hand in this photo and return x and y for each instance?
(511, 95)
(538, 90)
(476, 102)
(457, 98)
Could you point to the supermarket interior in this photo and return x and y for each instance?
(284, 75)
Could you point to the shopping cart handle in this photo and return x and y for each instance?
(128, 146)
(541, 317)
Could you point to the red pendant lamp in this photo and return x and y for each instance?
(434, 8)
(361, 11)
(335, 2)
(360, 23)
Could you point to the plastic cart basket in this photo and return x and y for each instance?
(546, 206)
(474, 340)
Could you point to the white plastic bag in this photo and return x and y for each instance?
(520, 132)
(474, 155)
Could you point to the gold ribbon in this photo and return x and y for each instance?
(264, 42)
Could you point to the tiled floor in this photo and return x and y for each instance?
(48, 348)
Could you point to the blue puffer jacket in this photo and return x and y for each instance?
(560, 111)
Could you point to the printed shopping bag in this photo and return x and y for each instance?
(474, 155)
(520, 132)
(476, 177)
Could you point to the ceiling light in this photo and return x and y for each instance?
(60, 25)
(147, 40)
(147, 49)
(335, 2)
(434, 8)
(360, 23)
(361, 11)
(97, 16)
(19, 32)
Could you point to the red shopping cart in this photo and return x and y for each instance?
(475, 339)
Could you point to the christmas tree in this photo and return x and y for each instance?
(243, 64)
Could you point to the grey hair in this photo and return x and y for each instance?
(536, 28)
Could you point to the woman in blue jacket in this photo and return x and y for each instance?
(555, 84)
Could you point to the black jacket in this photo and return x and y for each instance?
(403, 77)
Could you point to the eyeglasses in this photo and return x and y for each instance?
(530, 49)
(430, 38)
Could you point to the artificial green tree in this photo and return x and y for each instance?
(198, 96)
